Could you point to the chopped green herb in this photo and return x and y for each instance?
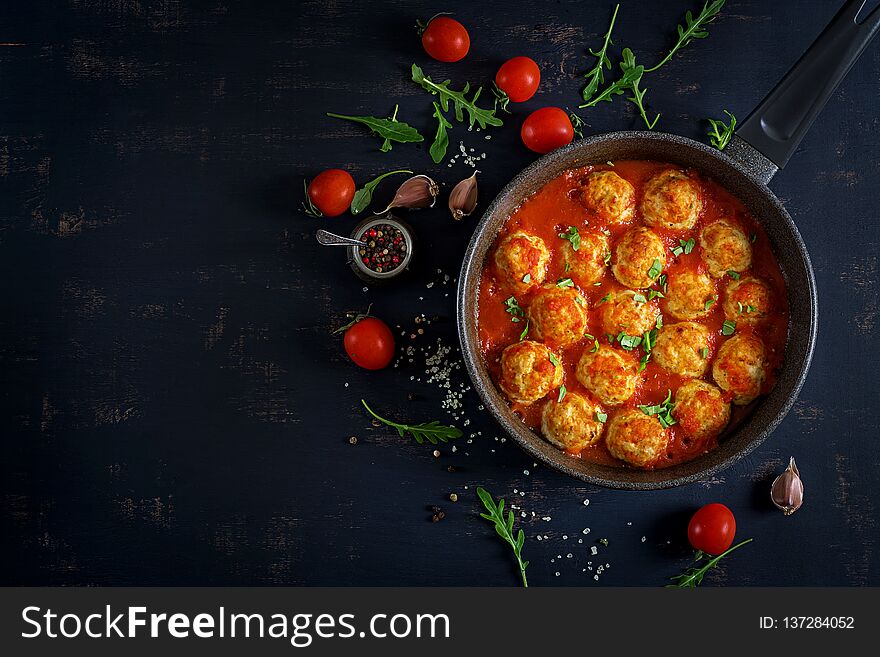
(601, 417)
(750, 308)
(567, 268)
(604, 299)
(595, 346)
(643, 361)
(684, 247)
(639, 298)
(562, 392)
(728, 327)
(525, 332)
(705, 352)
(733, 274)
(607, 259)
(663, 410)
(554, 360)
(649, 340)
(708, 303)
(659, 322)
(662, 282)
(589, 336)
(753, 237)
(604, 541)
(629, 342)
(513, 309)
(527, 278)
(573, 236)
(564, 282)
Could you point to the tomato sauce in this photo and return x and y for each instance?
(555, 207)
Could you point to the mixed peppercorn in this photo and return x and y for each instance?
(385, 248)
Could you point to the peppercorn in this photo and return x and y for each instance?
(385, 248)
(453, 497)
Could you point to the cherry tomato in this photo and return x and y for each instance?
(712, 529)
(369, 343)
(331, 191)
(445, 39)
(518, 78)
(546, 129)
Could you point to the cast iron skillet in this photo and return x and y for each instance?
(761, 146)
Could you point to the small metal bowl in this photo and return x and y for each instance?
(365, 272)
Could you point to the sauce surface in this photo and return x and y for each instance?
(555, 207)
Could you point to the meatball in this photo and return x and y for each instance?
(748, 300)
(522, 261)
(571, 424)
(558, 315)
(680, 347)
(635, 255)
(636, 438)
(725, 248)
(529, 370)
(739, 367)
(688, 293)
(701, 410)
(609, 196)
(672, 200)
(622, 312)
(609, 374)
(586, 265)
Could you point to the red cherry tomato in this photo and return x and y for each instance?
(712, 529)
(518, 78)
(369, 343)
(445, 39)
(546, 129)
(331, 191)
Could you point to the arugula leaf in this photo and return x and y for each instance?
(441, 139)
(693, 576)
(364, 196)
(638, 97)
(433, 431)
(694, 28)
(663, 410)
(390, 129)
(596, 76)
(308, 207)
(720, 132)
(617, 87)
(502, 100)
(577, 125)
(504, 528)
(476, 114)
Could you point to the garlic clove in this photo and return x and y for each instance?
(463, 197)
(787, 491)
(414, 193)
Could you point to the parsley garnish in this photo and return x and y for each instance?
(595, 346)
(708, 303)
(607, 259)
(554, 360)
(525, 332)
(573, 236)
(562, 392)
(604, 299)
(601, 417)
(705, 352)
(684, 247)
(527, 278)
(639, 298)
(733, 274)
(628, 342)
(564, 282)
(728, 327)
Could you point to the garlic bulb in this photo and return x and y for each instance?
(463, 197)
(416, 192)
(787, 492)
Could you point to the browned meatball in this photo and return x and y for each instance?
(558, 315)
(739, 367)
(636, 438)
(572, 424)
(689, 294)
(700, 410)
(529, 370)
(609, 197)
(629, 312)
(680, 347)
(725, 247)
(635, 257)
(748, 301)
(586, 265)
(521, 260)
(672, 200)
(611, 375)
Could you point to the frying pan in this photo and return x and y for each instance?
(761, 146)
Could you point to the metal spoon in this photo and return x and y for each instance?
(329, 239)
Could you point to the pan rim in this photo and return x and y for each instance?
(529, 440)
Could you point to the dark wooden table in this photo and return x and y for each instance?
(173, 407)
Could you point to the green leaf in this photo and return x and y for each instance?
(693, 576)
(720, 132)
(364, 196)
(441, 139)
(431, 431)
(504, 528)
(655, 269)
(390, 129)
(481, 116)
(694, 28)
(728, 328)
(596, 76)
(564, 282)
(573, 236)
(562, 392)
(525, 332)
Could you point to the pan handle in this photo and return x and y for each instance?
(777, 125)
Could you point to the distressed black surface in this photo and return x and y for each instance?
(173, 409)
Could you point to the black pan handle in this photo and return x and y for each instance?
(778, 124)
